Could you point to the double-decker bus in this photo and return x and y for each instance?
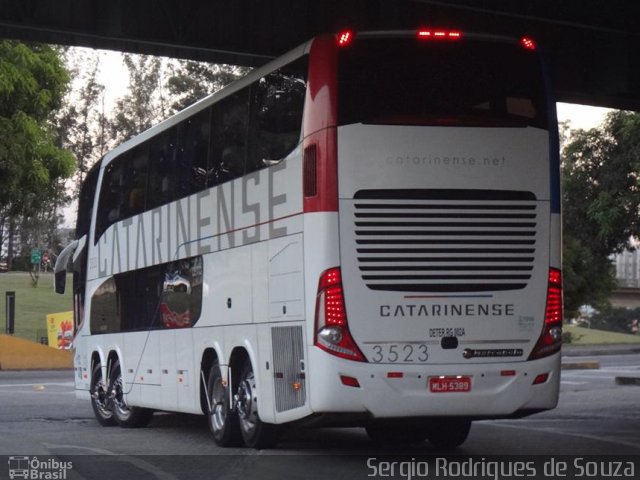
(363, 232)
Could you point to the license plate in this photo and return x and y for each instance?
(450, 384)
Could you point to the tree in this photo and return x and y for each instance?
(143, 106)
(151, 99)
(601, 205)
(191, 81)
(32, 85)
(81, 124)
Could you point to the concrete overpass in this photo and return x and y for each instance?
(592, 44)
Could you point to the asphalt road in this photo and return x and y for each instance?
(40, 416)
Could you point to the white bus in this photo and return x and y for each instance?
(364, 232)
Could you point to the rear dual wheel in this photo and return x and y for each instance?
(108, 400)
(235, 420)
(223, 420)
(100, 402)
(255, 432)
(126, 416)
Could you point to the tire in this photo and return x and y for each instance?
(255, 433)
(448, 433)
(125, 416)
(396, 433)
(223, 421)
(100, 402)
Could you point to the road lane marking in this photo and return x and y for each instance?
(135, 461)
(554, 431)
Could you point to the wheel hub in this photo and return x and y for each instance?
(244, 401)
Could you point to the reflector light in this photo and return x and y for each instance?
(508, 373)
(543, 377)
(395, 374)
(430, 34)
(528, 43)
(349, 381)
(344, 38)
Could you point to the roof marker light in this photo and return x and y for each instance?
(528, 43)
(344, 38)
(439, 34)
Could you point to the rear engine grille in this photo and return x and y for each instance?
(445, 240)
(288, 368)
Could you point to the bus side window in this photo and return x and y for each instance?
(135, 189)
(229, 138)
(111, 197)
(163, 152)
(277, 107)
(191, 162)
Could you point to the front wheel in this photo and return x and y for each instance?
(126, 416)
(255, 432)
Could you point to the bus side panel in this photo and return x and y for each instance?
(286, 282)
(227, 297)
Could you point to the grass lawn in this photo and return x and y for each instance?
(32, 304)
(589, 336)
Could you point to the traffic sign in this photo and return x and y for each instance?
(36, 255)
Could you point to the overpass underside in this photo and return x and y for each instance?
(592, 45)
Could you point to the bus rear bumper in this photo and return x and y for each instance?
(401, 390)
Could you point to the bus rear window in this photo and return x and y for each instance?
(403, 81)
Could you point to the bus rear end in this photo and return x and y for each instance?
(445, 298)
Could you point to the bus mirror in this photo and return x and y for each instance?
(269, 162)
(60, 281)
(60, 270)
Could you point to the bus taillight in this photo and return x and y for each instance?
(551, 338)
(431, 34)
(344, 38)
(332, 331)
(528, 43)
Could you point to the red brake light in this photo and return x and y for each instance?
(438, 34)
(550, 339)
(553, 313)
(344, 38)
(528, 43)
(332, 330)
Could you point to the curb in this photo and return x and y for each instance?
(628, 381)
(583, 365)
(595, 350)
(20, 354)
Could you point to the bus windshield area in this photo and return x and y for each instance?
(406, 81)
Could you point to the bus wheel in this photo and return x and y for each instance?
(127, 417)
(100, 401)
(389, 433)
(448, 433)
(223, 421)
(255, 432)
